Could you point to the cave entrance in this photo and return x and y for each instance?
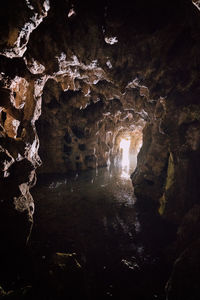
(127, 147)
(125, 160)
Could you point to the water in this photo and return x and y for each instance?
(93, 216)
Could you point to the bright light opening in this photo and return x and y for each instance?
(125, 146)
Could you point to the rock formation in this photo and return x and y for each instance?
(96, 70)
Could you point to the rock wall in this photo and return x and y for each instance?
(20, 103)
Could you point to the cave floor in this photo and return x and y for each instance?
(86, 241)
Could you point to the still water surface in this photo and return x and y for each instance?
(93, 215)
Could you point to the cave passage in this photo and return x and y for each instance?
(100, 150)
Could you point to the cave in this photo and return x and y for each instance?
(100, 149)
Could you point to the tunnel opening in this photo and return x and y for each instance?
(125, 147)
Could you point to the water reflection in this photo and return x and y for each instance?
(107, 182)
(92, 215)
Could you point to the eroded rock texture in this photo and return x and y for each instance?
(81, 135)
(98, 69)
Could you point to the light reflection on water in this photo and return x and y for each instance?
(76, 212)
(93, 215)
(114, 183)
